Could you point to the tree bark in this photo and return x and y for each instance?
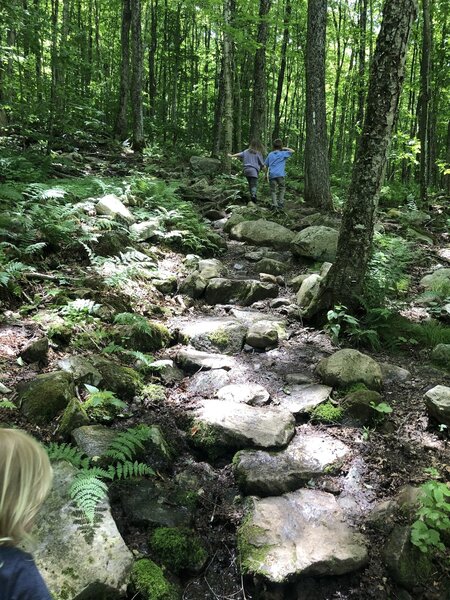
(344, 282)
(227, 85)
(121, 126)
(136, 75)
(280, 82)
(424, 101)
(258, 118)
(317, 175)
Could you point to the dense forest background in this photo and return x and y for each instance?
(207, 75)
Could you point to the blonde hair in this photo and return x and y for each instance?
(25, 480)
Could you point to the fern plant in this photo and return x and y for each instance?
(90, 486)
(7, 404)
(101, 403)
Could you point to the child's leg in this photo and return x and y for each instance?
(252, 184)
(273, 191)
(281, 191)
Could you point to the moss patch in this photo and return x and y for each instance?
(326, 413)
(205, 436)
(154, 392)
(252, 556)
(149, 581)
(179, 549)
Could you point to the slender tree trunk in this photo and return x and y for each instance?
(152, 56)
(317, 176)
(341, 46)
(136, 75)
(258, 118)
(361, 60)
(424, 101)
(344, 282)
(121, 126)
(218, 113)
(227, 84)
(280, 82)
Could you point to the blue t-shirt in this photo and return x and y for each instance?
(19, 577)
(276, 161)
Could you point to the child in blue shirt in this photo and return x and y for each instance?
(276, 164)
(253, 162)
(25, 479)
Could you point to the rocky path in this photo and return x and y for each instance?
(305, 491)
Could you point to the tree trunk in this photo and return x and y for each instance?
(317, 176)
(361, 60)
(424, 101)
(136, 75)
(227, 85)
(280, 82)
(344, 282)
(121, 126)
(151, 56)
(258, 118)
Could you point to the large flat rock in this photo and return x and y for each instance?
(270, 473)
(214, 334)
(263, 233)
(194, 360)
(236, 425)
(299, 533)
(302, 398)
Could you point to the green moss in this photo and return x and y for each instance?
(123, 381)
(188, 499)
(205, 437)
(355, 387)
(252, 556)
(149, 581)
(154, 392)
(326, 413)
(220, 338)
(178, 548)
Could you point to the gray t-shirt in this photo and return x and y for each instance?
(252, 162)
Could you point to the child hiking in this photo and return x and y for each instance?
(252, 161)
(276, 164)
(25, 479)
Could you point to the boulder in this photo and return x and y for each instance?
(357, 409)
(441, 355)
(145, 230)
(296, 282)
(210, 268)
(204, 165)
(436, 279)
(208, 383)
(214, 334)
(304, 397)
(36, 351)
(308, 290)
(111, 206)
(166, 285)
(405, 563)
(227, 424)
(74, 416)
(270, 266)
(393, 374)
(299, 533)
(319, 219)
(167, 371)
(249, 393)
(263, 334)
(41, 399)
(346, 367)
(94, 440)
(123, 381)
(193, 286)
(73, 564)
(111, 243)
(316, 242)
(263, 233)
(272, 473)
(437, 401)
(82, 370)
(246, 292)
(193, 360)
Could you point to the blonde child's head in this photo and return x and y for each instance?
(25, 480)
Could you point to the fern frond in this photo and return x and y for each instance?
(128, 469)
(87, 491)
(7, 404)
(67, 452)
(127, 443)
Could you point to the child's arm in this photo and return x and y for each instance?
(237, 155)
(289, 149)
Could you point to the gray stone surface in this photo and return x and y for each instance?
(308, 290)
(392, 374)
(192, 359)
(263, 233)
(437, 401)
(299, 533)
(406, 564)
(273, 267)
(249, 393)
(441, 355)
(436, 279)
(194, 285)
(94, 440)
(73, 564)
(316, 242)
(82, 370)
(207, 383)
(345, 367)
(111, 206)
(263, 334)
(214, 334)
(303, 397)
(146, 229)
(42, 398)
(240, 291)
(210, 268)
(237, 425)
(272, 473)
(36, 351)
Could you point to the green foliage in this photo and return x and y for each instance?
(386, 276)
(383, 407)
(341, 323)
(433, 516)
(102, 404)
(7, 404)
(326, 413)
(89, 488)
(178, 548)
(398, 330)
(149, 581)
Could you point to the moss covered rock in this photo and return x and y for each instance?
(406, 564)
(346, 367)
(357, 407)
(178, 548)
(123, 381)
(153, 337)
(148, 579)
(42, 398)
(74, 416)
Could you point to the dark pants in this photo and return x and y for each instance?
(252, 186)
